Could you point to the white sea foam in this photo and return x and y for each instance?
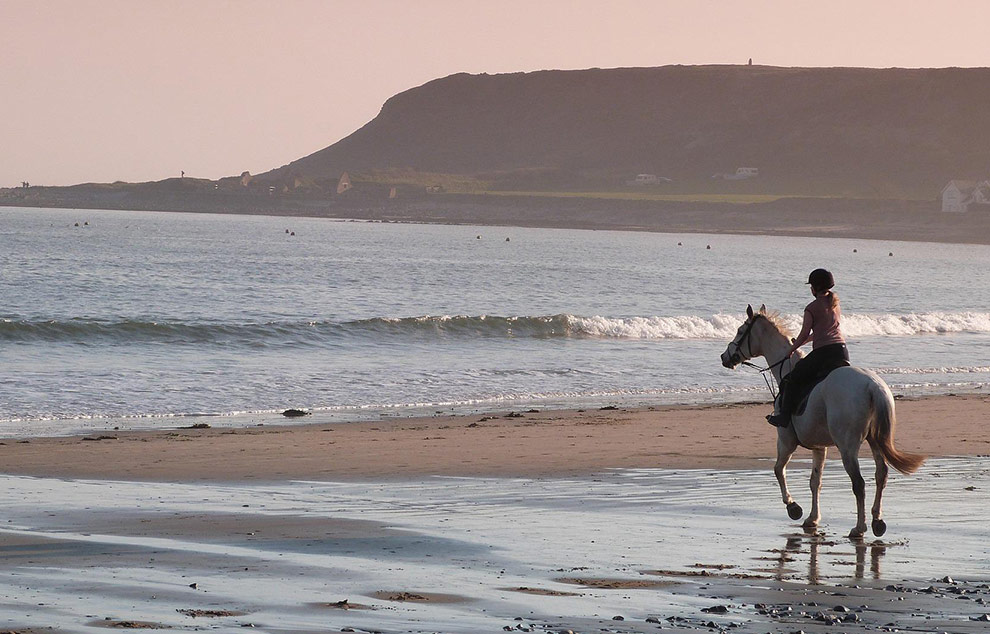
(688, 327)
(886, 325)
(724, 326)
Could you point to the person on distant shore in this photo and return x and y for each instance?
(821, 324)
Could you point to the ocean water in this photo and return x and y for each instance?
(112, 315)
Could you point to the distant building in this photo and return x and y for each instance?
(344, 183)
(434, 189)
(961, 196)
(648, 179)
(393, 193)
(246, 179)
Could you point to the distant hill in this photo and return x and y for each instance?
(887, 133)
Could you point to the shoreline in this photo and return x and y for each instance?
(865, 219)
(537, 444)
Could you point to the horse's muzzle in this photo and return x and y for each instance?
(731, 360)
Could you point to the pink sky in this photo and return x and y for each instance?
(139, 90)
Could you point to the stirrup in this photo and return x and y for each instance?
(779, 420)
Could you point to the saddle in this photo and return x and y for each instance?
(803, 392)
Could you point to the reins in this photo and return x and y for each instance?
(764, 372)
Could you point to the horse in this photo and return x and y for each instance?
(849, 406)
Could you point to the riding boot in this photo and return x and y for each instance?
(781, 416)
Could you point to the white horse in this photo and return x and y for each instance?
(851, 405)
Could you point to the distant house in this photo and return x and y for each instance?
(434, 189)
(246, 179)
(648, 179)
(961, 196)
(344, 183)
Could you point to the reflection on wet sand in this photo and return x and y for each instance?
(812, 543)
(646, 545)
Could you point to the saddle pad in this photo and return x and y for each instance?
(805, 390)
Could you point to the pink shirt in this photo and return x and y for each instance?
(824, 322)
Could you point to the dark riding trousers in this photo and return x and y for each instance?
(798, 382)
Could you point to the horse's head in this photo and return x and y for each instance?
(743, 347)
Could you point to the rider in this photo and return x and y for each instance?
(821, 325)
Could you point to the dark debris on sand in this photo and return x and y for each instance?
(743, 606)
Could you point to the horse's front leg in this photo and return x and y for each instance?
(879, 526)
(850, 460)
(817, 466)
(785, 449)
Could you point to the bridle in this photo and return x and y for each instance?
(736, 357)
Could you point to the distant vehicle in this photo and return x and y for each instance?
(649, 179)
(741, 174)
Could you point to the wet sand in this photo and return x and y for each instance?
(550, 521)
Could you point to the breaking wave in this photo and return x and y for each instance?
(86, 331)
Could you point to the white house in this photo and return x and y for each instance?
(961, 196)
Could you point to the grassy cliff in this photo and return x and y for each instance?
(846, 132)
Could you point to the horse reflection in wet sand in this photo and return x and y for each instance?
(811, 544)
(851, 405)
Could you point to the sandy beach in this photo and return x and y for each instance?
(549, 443)
(615, 520)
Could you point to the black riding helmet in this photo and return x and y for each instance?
(821, 279)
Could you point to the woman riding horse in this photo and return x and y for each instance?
(822, 319)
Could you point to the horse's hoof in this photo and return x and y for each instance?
(857, 534)
(794, 511)
(879, 527)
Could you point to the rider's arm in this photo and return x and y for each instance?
(804, 335)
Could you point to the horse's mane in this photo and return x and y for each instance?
(777, 322)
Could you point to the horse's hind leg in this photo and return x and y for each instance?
(784, 452)
(850, 460)
(817, 466)
(879, 526)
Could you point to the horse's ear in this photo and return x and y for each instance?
(763, 309)
(749, 310)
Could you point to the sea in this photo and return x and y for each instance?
(148, 319)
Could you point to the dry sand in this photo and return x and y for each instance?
(531, 444)
(538, 521)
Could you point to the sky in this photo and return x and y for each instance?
(138, 90)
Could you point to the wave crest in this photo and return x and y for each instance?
(429, 327)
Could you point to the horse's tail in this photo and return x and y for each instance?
(882, 432)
